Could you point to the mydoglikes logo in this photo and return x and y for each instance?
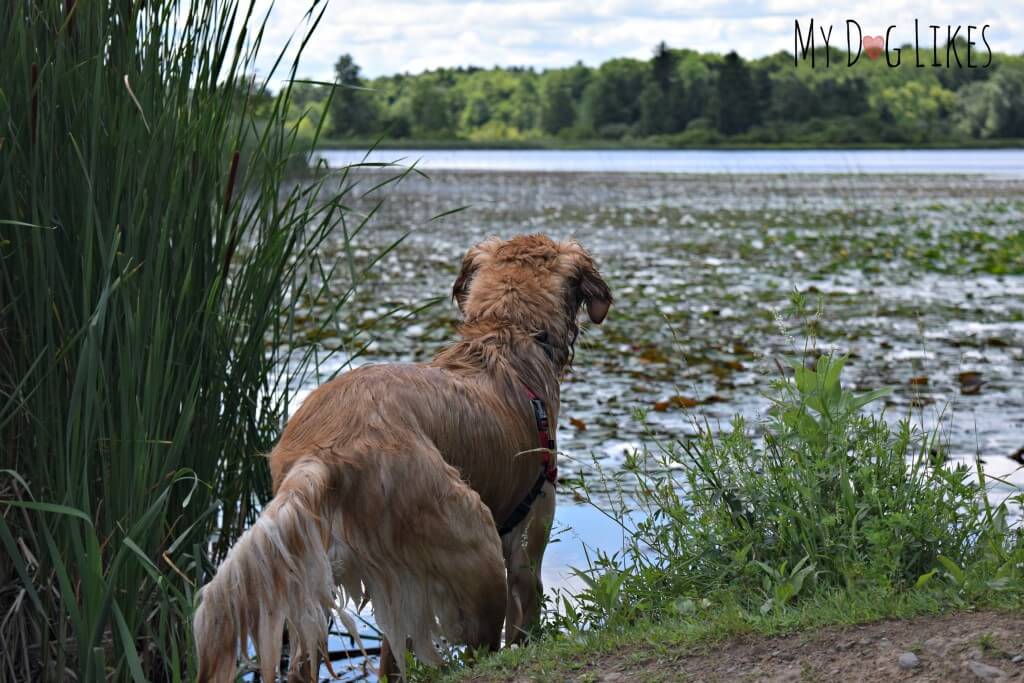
(934, 45)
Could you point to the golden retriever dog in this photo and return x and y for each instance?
(427, 489)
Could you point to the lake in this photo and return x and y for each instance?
(912, 262)
(932, 161)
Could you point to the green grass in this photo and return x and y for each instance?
(669, 640)
(155, 255)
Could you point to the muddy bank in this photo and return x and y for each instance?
(969, 647)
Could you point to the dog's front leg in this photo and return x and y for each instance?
(524, 560)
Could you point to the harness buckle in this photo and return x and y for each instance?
(540, 414)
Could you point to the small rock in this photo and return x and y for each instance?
(1018, 659)
(864, 641)
(908, 660)
(936, 645)
(790, 675)
(985, 672)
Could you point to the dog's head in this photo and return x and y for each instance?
(534, 283)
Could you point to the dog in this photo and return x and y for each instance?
(427, 489)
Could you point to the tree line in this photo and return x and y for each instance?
(677, 97)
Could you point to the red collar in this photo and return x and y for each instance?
(544, 436)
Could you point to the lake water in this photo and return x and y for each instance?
(931, 161)
(914, 255)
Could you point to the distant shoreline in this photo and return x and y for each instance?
(566, 145)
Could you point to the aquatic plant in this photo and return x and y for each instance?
(823, 496)
(155, 257)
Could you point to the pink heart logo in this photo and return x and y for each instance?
(873, 47)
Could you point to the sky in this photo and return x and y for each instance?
(397, 36)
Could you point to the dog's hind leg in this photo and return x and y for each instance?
(304, 669)
(434, 570)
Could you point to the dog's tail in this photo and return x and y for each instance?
(278, 571)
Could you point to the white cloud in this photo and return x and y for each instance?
(390, 36)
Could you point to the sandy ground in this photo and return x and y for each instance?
(968, 647)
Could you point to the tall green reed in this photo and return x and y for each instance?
(154, 256)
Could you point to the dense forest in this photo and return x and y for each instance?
(679, 97)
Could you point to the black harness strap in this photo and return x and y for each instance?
(523, 509)
(549, 472)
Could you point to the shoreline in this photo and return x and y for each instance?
(850, 639)
(647, 145)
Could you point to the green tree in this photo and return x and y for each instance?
(611, 101)
(662, 101)
(654, 113)
(792, 98)
(737, 107)
(477, 111)
(663, 66)
(992, 108)
(429, 109)
(308, 93)
(697, 97)
(561, 93)
(526, 105)
(352, 108)
(697, 85)
(916, 109)
(683, 100)
(578, 76)
(841, 96)
(558, 109)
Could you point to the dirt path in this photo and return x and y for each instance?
(969, 647)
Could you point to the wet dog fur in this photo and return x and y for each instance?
(389, 482)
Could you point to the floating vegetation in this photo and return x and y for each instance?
(909, 275)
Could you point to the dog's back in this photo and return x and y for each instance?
(479, 422)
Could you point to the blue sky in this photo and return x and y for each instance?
(389, 36)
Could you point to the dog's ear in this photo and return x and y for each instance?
(589, 287)
(460, 290)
